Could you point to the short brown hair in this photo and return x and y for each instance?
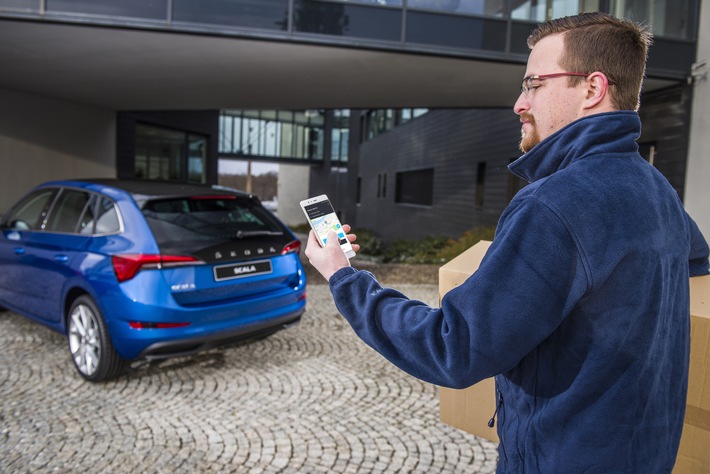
(601, 42)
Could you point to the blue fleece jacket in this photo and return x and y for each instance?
(580, 308)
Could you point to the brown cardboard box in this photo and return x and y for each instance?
(694, 452)
(471, 408)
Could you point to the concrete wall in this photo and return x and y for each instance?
(292, 189)
(43, 139)
(697, 186)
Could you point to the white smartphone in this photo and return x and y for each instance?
(322, 218)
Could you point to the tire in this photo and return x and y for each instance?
(90, 345)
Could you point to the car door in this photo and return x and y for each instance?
(58, 252)
(17, 228)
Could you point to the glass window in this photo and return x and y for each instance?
(340, 135)
(196, 159)
(541, 10)
(67, 211)
(107, 219)
(346, 19)
(405, 115)
(477, 7)
(271, 133)
(456, 31)
(379, 121)
(265, 14)
(30, 212)
(415, 187)
(154, 10)
(669, 19)
(382, 3)
(30, 5)
(533, 10)
(161, 155)
(206, 218)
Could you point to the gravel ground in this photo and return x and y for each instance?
(386, 273)
(309, 399)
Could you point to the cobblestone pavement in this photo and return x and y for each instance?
(310, 399)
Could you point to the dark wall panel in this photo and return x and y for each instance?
(453, 142)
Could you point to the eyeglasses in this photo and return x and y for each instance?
(529, 83)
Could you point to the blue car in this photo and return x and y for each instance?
(147, 270)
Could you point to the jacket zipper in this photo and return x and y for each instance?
(492, 421)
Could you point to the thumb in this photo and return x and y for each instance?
(332, 239)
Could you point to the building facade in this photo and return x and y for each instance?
(399, 109)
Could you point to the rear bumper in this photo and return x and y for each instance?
(198, 326)
(179, 347)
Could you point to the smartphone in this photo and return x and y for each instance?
(322, 218)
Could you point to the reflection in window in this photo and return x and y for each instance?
(669, 19)
(28, 5)
(272, 133)
(154, 10)
(347, 19)
(415, 187)
(378, 121)
(541, 10)
(477, 7)
(266, 14)
(390, 3)
(161, 155)
(340, 136)
(196, 159)
(107, 220)
(66, 213)
(30, 212)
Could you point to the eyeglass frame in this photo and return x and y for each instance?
(524, 89)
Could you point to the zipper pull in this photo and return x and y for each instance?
(492, 421)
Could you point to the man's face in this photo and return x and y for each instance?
(550, 104)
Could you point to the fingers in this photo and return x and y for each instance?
(311, 244)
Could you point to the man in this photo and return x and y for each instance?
(580, 307)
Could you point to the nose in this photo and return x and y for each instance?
(522, 104)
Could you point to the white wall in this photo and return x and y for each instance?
(292, 189)
(43, 139)
(697, 186)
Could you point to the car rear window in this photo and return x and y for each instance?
(206, 219)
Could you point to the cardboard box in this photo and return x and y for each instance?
(468, 409)
(694, 452)
(471, 408)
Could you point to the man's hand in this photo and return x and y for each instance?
(330, 258)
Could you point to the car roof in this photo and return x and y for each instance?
(143, 190)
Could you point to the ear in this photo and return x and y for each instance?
(598, 94)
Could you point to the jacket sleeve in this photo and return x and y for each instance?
(698, 257)
(528, 281)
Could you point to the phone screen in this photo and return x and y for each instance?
(322, 218)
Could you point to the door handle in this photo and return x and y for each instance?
(61, 258)
(19, 250)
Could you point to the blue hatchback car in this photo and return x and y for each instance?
(143, 269)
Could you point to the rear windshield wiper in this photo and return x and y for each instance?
(254, 233)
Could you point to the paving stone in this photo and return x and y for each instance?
(310, 399)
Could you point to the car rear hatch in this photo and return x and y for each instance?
(231, 245)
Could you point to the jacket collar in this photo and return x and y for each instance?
(609, 132)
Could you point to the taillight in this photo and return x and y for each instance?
(291, 247)
(126, 266)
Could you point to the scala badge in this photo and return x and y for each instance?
(241, 270)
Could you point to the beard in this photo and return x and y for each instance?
(528, 140)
